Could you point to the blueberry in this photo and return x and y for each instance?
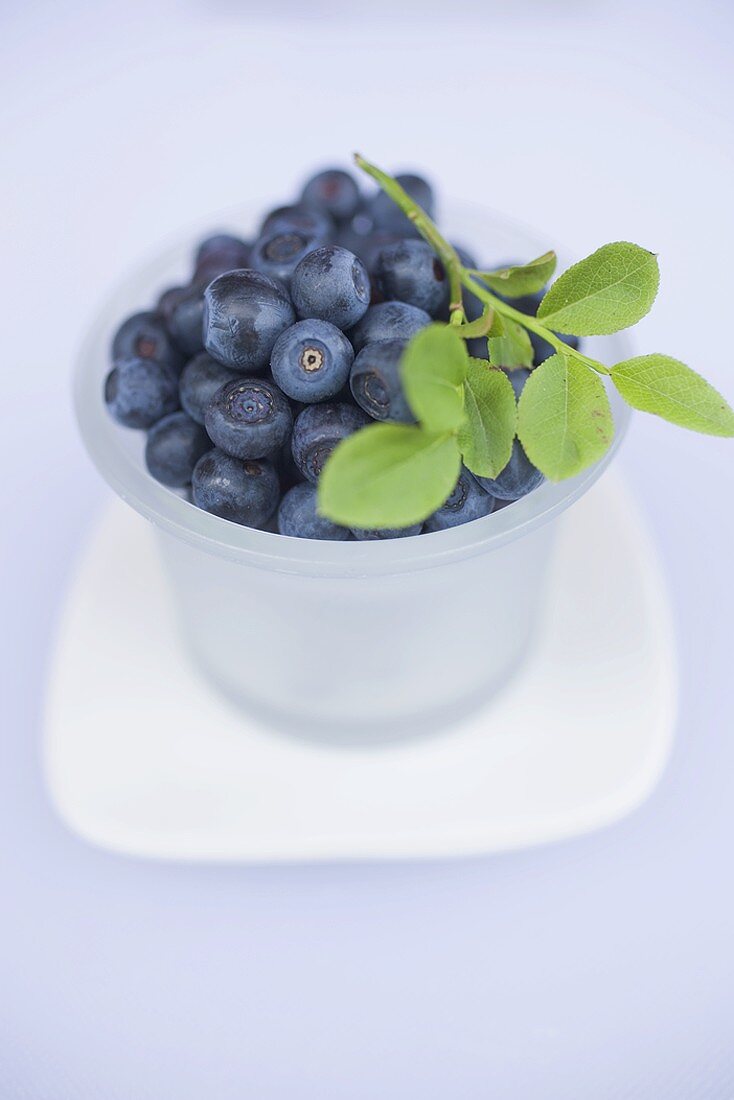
(318, 430)
(138, 392)
(386, 533)
(387, 215)
(388, 321)
(466, 502)
(333, 191)
(249, 418)
(145, 336)
(333, 285)
(244, 314)
(375, 381)
(200, 379)
(244, 492)
(311, 360)
(410, 271)
(223, 248)
(174, 446)
(299, 518)
(168, 301)
(518, 478)
(373, 244)
(299, 219)
(356, 234)
(288, 472)
(187, 320)
(211, 269)
(278, 254)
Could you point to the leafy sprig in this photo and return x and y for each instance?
(395, 475)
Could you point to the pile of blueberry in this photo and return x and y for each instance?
(247, 378)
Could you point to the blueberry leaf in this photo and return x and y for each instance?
(388, 475)
(432, 369)
(511, 347)
(513, 282)
(608, 291)
(470, 330)
(668, 388)
(564, 420)
(486, 436)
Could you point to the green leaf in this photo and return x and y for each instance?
(664, 386)
(470, 330)
(564, 420)
(513, 282)
(388, 475)
(512, 348)
(609, 290)
(433, 368)
(486, 436)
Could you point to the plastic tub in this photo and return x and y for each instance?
(394, 635)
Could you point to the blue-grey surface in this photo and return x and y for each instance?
(597, 968)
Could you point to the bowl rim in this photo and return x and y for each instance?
(103, 439)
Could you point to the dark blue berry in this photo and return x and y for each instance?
(410, 271)
(518, 478)
(244, 314)
(386, 533)
(299, 219)
(387, 215)
(373, 244)
(466, 502)
(242, 491)
(333, 285)
(375, 381)
(298, 516)
(278, 254)
(249, 418)
(355, 235)
(318, 430)
(311, 360)
(288, 472)
(200, 379)
(333, 191)
(139, 392)
(211, 269)
(186, 322)
(223, 248)
(168, 301)
(145, 336)
(173, 447)
(388, 321)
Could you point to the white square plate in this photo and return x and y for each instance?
(143, 757)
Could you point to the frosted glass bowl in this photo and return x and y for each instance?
(398, 635)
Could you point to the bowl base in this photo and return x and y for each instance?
(143, 757)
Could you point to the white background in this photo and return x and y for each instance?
(601, 967)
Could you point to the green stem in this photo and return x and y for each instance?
(428, 230)
(529, 322)
(460, 276)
